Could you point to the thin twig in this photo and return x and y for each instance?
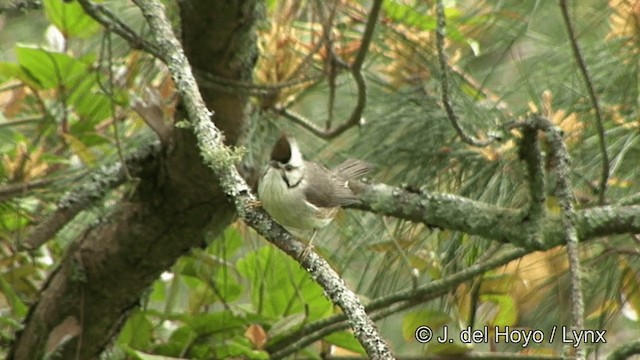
(23, 121)
(110, 21)
(108, 90)
(356, 72)
(594, 101)
(331, 60)
(208, 80)
(8, 192)
(444, 82)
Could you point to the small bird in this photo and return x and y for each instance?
(303, 194)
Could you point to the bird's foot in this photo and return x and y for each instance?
(255, 203)
(307, 249)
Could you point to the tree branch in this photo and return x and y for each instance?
(221, 160)
(88, 192)
(505, 225)
(112, 23)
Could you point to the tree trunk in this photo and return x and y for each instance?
(104, 272)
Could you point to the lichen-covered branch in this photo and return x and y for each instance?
(506, 225)
(86, 193)
(221, 159)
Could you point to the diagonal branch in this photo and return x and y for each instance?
(221, 159)
(111, 22)
(88, 192)
(594, 100)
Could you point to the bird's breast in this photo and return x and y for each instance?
(287, 205)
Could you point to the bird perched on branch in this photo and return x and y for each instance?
(304, 194)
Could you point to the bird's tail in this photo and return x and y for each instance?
(353, 169)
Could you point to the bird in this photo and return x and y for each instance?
(306, 195)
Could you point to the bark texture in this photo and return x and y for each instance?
(105, 271)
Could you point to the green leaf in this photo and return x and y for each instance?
(18, 307)
(159, 291)
(345, 340)
(51, 69)
(92, 106)
(70, 18)
(137, 331)
(239, 348)
(80, 149)
(179, 340)
(453, 348)
(139, 355)
(13, 70)
(285, 324)
(216, 272)
(431, 318)
(280, 287)
(219, 322)
(11, 222)
(228, 244)
(507, 314)
(409, 16)
(227, 286)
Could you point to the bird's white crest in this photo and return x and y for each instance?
(296, 156)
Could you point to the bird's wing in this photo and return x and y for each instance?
(325, 189)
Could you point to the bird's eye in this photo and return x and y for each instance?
(288, 167)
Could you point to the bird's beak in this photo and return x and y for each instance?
(275, 164)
